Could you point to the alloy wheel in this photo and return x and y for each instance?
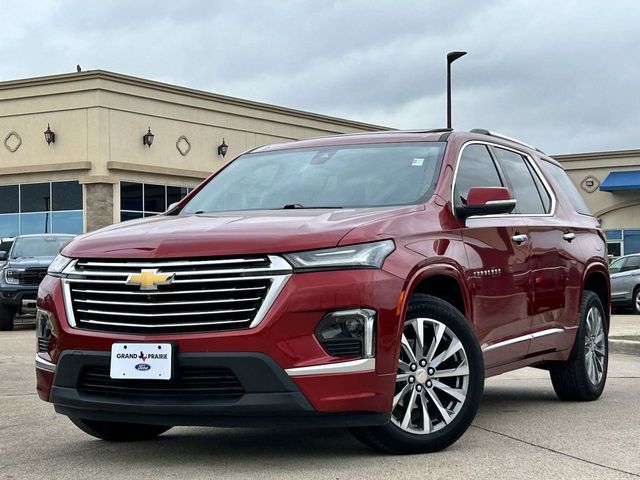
(432, 379)
(594, 346)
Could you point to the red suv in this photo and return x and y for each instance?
(370, 281)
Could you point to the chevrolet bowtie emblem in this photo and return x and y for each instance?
(150, 279)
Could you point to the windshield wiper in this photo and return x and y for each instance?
(292, 206)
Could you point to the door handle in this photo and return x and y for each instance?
(520, 238)
(569, 236)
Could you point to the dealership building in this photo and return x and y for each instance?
(83, 150)
(610, 184)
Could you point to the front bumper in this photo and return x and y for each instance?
(267, 396)
(310, 382)
(20, 298)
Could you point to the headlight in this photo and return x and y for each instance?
(58, 265)
(364, 255)
(12, 275)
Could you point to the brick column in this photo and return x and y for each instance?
(98, 205)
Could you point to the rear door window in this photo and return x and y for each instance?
(527, 188)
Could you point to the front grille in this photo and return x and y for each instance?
(32, 276)
(203, 295)
(188, 382)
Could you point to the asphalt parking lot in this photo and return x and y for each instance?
(521, 431)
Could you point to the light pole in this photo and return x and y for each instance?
(451, 57)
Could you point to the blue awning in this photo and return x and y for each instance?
(617, 181)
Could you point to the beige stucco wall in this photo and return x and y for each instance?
(616, 210)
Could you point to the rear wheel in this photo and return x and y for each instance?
(6, 318)
(119, 432)
(438, 384)
(583, 376)
(636, 301)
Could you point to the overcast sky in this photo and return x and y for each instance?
(562, 75)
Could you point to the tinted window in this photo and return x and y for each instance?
(632, 263)
(67, 222)
(9, 225)
(130, 196)
(631, 241)
(175, 194)
(336, 176)
(66, 195)
(9, 199)
(35, 197)
(520, 181)
(476, 169)
(567, 186)
(124, 216)
(154, 200)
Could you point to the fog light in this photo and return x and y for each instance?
(348, 333)
(46, 326)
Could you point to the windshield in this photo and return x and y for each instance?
(38, 246)
(338, 176)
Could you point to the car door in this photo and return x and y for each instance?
(550, 262)
(497, 271)
(563, 237)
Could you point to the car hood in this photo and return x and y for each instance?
(29, 262)
(228, 233)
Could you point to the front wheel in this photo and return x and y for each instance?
(636, 301)
(583, 376)
(439, 382)
(119, 432)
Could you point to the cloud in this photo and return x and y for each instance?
(562, 76)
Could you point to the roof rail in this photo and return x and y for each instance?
(385, 132)
(483, 131)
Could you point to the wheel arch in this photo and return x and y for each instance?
(441, 281)
(596, 279)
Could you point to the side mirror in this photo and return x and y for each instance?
(172, 206)
(487, 201)
(3, 255)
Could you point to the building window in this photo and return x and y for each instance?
(48, 207)
(622, 242)
(139, 200)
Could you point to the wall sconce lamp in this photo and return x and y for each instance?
(49, 135)
(223, 148)
(147, 138)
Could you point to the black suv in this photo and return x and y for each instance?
(25, 266)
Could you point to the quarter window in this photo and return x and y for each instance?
(523, 182)
(476, 169)
(567, 186)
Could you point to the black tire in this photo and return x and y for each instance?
(636, 301)
(394, 439)
(571, 379)
(6, 318)
(119, 432)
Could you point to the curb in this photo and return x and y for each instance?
(627, 347)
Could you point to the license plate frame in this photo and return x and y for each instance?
(141, 361)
